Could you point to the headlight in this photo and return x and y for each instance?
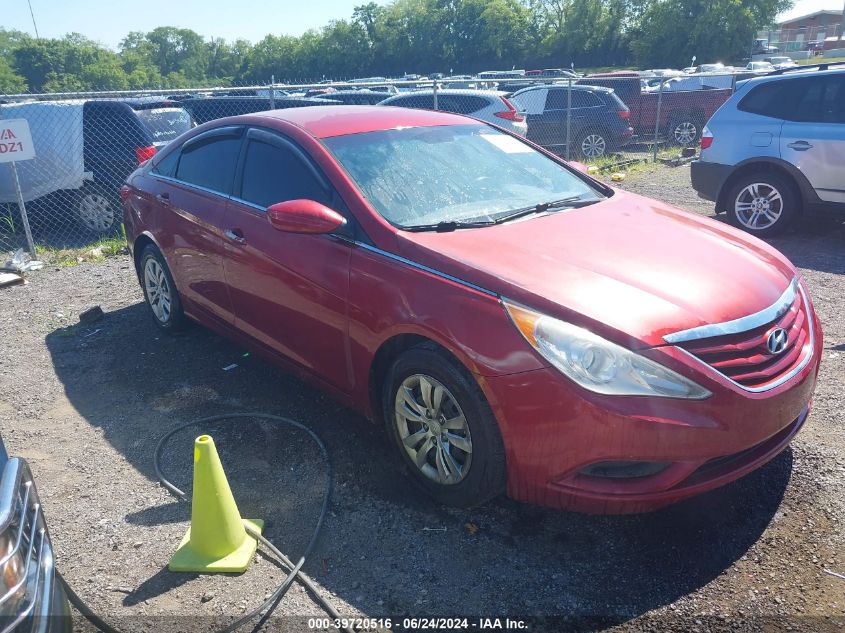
(597, 364)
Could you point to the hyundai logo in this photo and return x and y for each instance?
(776, 341)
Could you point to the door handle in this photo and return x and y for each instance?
(163, 197)
(800, 146)
(235, 235)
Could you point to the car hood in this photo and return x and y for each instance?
(630, 268)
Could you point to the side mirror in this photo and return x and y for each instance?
(304, 216)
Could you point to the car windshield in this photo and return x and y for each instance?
(458, 173)
(165, 124)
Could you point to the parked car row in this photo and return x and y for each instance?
(85, 150)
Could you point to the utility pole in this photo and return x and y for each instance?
(842, 24)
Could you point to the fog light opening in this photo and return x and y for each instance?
(624, 469)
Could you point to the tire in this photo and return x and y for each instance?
(160, 292)
(98, 210)
(771, 212)
(684, 131)
(592, 144)
(460, 465)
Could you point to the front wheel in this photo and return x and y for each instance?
(443, 428)
(763, 203)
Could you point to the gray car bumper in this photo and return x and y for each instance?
(34, 601)
(708, 178)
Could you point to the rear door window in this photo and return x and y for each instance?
(210, 163)
(461, 104)
(769, 99)
(167, 165)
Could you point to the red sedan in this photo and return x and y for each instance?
(516, 325)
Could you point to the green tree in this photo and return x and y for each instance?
(672, 31)
(10, 81)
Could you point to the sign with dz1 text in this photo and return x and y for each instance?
(15, 141)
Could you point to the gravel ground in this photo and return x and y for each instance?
(86, 405)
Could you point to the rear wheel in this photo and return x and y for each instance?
(763, 203)
(160, 291)
(443, 428)
(98, 210)
(684, 131)
(592, 144)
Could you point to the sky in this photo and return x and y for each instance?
(108, 21)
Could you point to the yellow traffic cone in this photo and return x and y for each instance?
(216, 541)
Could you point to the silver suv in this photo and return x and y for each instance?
(776, 149)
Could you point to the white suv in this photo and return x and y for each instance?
(776, 149)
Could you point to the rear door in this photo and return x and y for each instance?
(813, 134)
(289, 290)
(192, 195)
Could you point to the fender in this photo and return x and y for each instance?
(808, 193)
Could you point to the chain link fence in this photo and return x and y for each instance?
(88, 143)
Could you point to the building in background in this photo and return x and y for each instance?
(814, 32)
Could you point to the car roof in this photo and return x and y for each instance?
(339, 120)
(454, 91)
(796, 73)
(615, 73)
(581, 85)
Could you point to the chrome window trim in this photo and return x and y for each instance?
(742, 324)
(190, 185)
(247, 203)
(785, 377)
(422, 267)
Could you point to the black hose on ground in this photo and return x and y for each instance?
(295, 572)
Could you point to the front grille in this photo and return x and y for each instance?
(26, 561)
(745, 358)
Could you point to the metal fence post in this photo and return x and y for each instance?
(434, 92)
(568, 115)
(272, 92)
(657, 123)
(22, 208)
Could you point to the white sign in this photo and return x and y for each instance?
(15, 141)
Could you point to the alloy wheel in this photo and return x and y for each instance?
(433, 429)
(685, 133)
(158, 290)
(96, 212)
(758, 206)
(593, 146)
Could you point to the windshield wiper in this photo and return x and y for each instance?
(572, 202)
(446, 226)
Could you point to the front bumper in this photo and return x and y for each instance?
(33, 598)
(554, 430)
(708, 178)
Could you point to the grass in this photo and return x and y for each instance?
(820, 60)
(96, 252)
